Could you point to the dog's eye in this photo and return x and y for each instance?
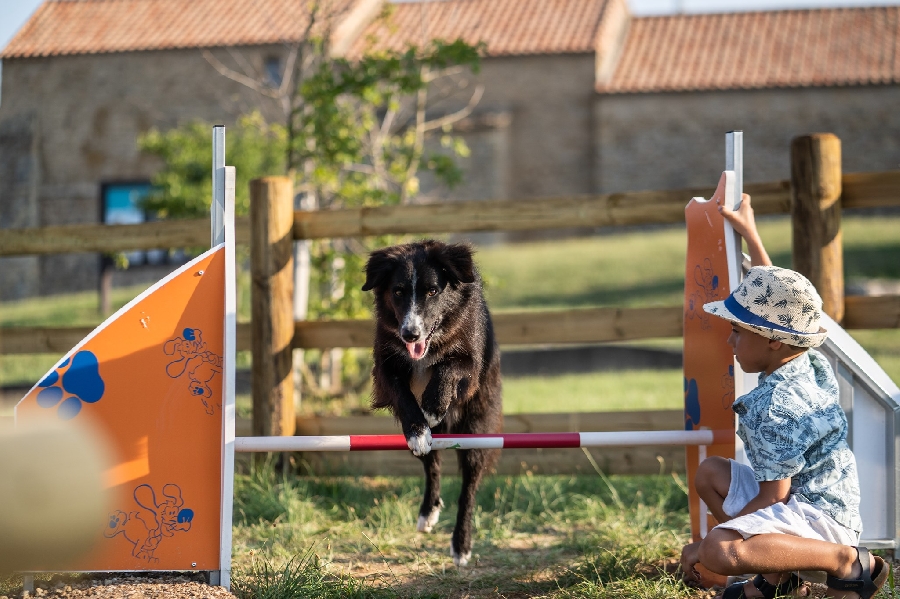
(432, 291)
(398, 292)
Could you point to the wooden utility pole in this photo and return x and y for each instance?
(816, 216)
(272, 265)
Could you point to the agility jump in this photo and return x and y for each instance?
(157, 381)
(498, 441)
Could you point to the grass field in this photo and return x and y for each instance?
(586, 537)
(646, 266)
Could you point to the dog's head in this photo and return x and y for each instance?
(417, 286)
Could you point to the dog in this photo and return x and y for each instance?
(145, 528)
(436, 365)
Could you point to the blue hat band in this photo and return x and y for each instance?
(748, 317)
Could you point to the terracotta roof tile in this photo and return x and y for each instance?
(99, 26)
(673, 53)
(792, 48)
(508, 27)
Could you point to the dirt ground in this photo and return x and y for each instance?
(125, 586)
(193, 586)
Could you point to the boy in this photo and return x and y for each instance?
(797, 508)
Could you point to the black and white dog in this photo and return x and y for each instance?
(436, 365)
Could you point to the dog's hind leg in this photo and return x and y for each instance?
(472, 464)
(431, 502)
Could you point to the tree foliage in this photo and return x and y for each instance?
(183, 187)
(354, 134)
(363, 125)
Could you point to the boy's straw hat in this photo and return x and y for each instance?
(778, 304)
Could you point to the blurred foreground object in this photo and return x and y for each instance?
(53, 494)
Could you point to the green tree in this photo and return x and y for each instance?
(353, 134)
(183, 187)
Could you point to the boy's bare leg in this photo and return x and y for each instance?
(727, 552)
(712, 481)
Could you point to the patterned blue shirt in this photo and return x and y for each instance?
(793, 427)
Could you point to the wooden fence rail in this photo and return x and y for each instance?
(582, 325)
(860, 190)
(64, 239)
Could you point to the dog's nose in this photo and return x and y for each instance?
(411, 334)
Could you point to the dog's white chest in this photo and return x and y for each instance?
(418, 381)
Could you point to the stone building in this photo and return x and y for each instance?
(580, 96)
(682, 81)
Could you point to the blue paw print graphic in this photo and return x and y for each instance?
(691, 405)
(74, 382)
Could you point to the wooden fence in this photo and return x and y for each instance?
(815, 196)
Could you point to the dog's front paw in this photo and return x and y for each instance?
(432, 419)
(420, 443)
(460, 560)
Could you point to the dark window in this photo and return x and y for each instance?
(273, 70)
(122, 205)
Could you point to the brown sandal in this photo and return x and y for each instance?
(865, 586)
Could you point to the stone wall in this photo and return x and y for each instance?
(530, 135)
(68, 124)
(19, 277)
(673, 140)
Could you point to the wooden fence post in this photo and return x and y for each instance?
(816, 216)
(272, 265)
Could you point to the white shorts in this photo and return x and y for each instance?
(796, 518)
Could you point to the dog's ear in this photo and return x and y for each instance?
(456, 259)
(379, 267)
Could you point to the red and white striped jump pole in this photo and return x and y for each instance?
(497, 441)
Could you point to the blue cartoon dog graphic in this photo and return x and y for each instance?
(200, 364)
(146, 526)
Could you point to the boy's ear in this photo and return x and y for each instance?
(785, 348)
(379, 268)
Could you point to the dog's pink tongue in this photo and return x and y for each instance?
(416, 350)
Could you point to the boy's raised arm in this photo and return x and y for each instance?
(744, 223)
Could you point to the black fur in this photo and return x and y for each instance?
(463, 393)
